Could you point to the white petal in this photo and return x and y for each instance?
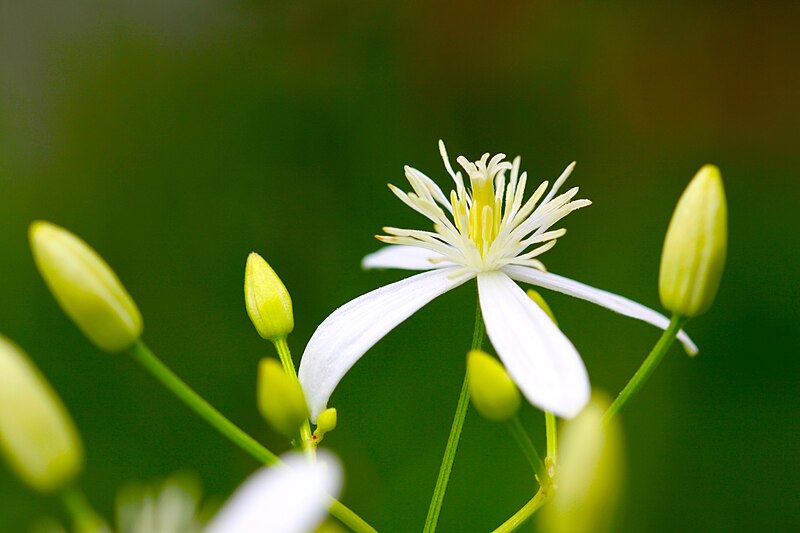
(351, 330)
(291, 497)
(404, 257)
(538, 356)
(616, 303)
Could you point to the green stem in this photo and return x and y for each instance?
(552, 437)
(86, 520)
(525, 512)
(285, 354)
(455, 434)
(551, 461)
(349, 518)
(199, 405)
(525, 443)
(648, 366)
(179, 388)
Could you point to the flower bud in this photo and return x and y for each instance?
(85, 287)
(695, 246)
(268, 303)
(37, 434)
(536, 297)
(326, 422)
(280, 398)
(493, 393)
(589, 477)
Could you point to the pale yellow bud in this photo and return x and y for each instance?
(326, 422)
(589, 478)
(268, 303)
(280, 398)
(493, 393)
(536, 297)
(37, 435)
(85, 286)
(695, 247)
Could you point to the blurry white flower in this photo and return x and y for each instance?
(170, 507)
(290, 497)
(484, 232)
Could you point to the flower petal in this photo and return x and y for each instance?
(404, 257)
(618, 304)
(540, 359)
(351, 330)
(291, 497)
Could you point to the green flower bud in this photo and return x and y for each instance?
(326, 422)
(280, 398)
(536, 297)
(695, 246)
(268, 303)
(589, 478)
(85, 287)
(493, 393)
(37, 435)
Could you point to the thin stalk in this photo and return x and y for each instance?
(525, 443)
(455, 434)
(288, 365)
(85, 518)
(648, 366)
(525, 512)
(206, 411)
(199, 405)
(552, 437)
(551, 461)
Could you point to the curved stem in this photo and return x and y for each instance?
(455, 434)
(86, 520)
(525, 512)
(205, 410)
(525, 443)
(648, 366)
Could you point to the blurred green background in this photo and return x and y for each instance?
(177, 137)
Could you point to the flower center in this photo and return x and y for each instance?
(484, 207)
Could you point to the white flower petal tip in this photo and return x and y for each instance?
(354, 328)
(537, 355)
(614, 302)
(291, 497)
(405, 258)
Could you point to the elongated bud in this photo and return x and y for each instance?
(695, 247)
(37, 434)
(536, 297)
(590, 474)
(326, 422)
(268, 303)
(493, 393)
(280, 398)
(85, 287)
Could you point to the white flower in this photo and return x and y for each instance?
(485, 232)
(291, 497)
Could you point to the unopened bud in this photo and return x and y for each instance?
(536, 297)
(85, 286)
(493, 393)
(695, 246)
(590, 474)
(37, 434)
(268, 303)
(326, 422)
(280, 398)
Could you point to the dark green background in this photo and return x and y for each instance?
(177, 137)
